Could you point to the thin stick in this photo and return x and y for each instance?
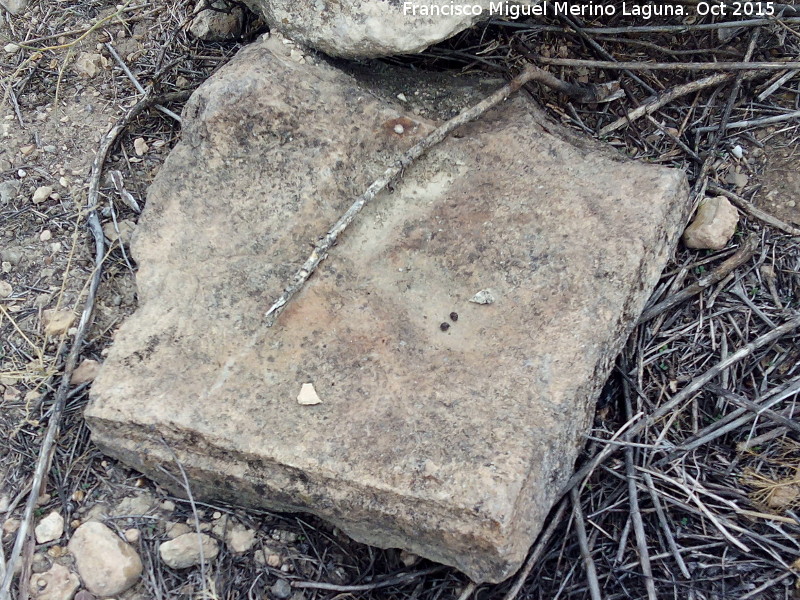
(537, 550)
(586, 554)
(692, 494)
(740, 354)
(633, 499)
(731, 422)
(136, 83)
(468, 591)
(770, 583)
(760, 439)
(125, 9)
(655, 103)
(588, 39)
(776, 84)
(662, 518)
(322, 247)
(756, 408)
(190, 496)
(365, 587)
(753, 211)
(676, 66)
(754, 122)
(742, 255)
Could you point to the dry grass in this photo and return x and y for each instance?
(700, 503)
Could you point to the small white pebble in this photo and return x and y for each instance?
(399, 129)
(308, 395)
(46, 236)
(737, 151)
(483, 297)
(11, 48)
(402, 97)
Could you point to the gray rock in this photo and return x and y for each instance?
(281, 589)
(713, 225)
(370, 28)
(223, 22)
(41, 194)
(238, 538)
(12, 255)
(88, 64)
(450, 445)
(57, 583)
(133, 506)
(107, 565)
(185, 550)
(8, 191)
(14, 6)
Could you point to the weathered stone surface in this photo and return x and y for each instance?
(451, 445)
(713, 225)
(780, 179)
(107, 565)
(14, 6)
(370, 28)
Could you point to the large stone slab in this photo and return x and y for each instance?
(451, 444)
(370, 28)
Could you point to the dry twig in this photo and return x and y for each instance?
(586, 553)
(676, 66)
(742, 255)
(753, 210)
(400, 579)
(653, 104)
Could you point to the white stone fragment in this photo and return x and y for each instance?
(50, 528)
(483, 297)
(308, 395)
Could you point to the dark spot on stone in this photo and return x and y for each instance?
(444, 326)
(454, 316)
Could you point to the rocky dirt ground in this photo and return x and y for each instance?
(64, 85)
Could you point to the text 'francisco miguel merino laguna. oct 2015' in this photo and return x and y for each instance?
(589, 9)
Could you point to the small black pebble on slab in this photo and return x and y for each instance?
(444, 326)
(454, 316)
